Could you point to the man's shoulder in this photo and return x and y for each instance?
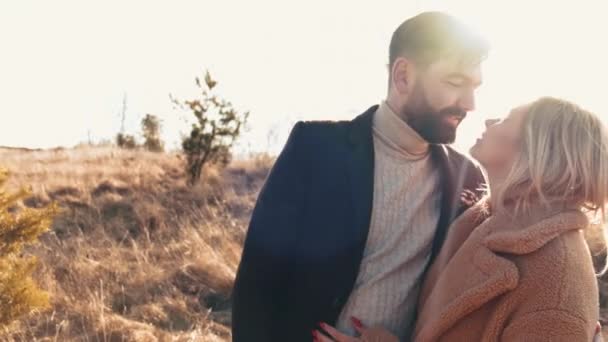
(337, 132)
(324, 125)
(323, 131)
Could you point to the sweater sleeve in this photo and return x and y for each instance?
(548, 325)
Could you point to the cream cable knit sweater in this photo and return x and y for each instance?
(405, 214)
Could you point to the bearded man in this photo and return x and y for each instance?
(353, 212)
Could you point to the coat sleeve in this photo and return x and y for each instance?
(259, 294)
(549, 325)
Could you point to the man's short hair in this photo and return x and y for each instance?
(430, 36)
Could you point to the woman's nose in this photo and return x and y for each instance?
(491, 122)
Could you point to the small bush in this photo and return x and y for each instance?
(126, 141)
(150, 126)
(19, 294)
(214, 132)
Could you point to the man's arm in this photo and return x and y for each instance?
(259, 290)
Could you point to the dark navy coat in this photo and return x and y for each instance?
(310, 223)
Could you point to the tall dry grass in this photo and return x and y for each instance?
(137, 255)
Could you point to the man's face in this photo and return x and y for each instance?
(440, 98)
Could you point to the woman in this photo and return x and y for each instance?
(515, 266)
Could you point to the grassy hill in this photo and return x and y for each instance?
(137, 255)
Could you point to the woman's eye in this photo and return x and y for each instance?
(454, 84)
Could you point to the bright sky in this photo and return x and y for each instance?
(66, 65)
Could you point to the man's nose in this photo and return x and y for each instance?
(491, 122)
(467, 101)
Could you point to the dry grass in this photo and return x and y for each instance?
(137, 255)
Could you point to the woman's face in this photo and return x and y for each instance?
(500, 144)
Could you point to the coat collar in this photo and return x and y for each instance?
(361, 127)
(481, 270)
(529, 233)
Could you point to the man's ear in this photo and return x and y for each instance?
(402, 74)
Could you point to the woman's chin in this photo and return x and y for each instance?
(473, 151)
(476, 154)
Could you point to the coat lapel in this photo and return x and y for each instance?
(361, 174)
(469, 281)
(453, 180)
(440, 158)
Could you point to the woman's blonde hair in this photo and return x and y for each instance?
(563, 159)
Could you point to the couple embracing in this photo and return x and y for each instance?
(376, 229)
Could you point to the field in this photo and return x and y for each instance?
(137, 254)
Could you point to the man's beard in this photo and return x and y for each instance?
(431, 124)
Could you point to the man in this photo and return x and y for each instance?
(353, 212)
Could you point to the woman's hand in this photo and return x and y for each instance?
(598, 333)
(375, 334)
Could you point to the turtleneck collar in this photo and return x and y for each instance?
(396, 133)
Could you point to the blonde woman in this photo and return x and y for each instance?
(515, 266)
